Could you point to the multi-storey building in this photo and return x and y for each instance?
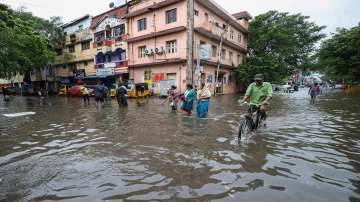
(76, 59)
(157, 42)
(110, 34)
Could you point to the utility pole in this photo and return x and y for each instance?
(190, 42)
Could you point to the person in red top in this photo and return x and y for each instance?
(314, 91)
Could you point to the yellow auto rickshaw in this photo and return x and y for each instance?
(141, 90)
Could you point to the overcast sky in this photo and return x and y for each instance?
(331, 13)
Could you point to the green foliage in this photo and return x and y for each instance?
(339, 56)
(26, 42)
(280, 43)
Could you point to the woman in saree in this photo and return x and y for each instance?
(204, 96)
(189, 98)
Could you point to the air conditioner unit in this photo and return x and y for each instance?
(149, 52)
(159, 51)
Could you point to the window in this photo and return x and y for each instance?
(214, 51)
(72, 67)
(171, 76)
(230, 57)
(142, 51)
(171, 16)
(85, 45)
(239, 38)
(207, 17)
(108, 32)
(171, 46)
(59, 52)
(80, 27)
(108, 57)
(202, 42)
(119, 30)
(239, 59)
(85, 64)
(142, 24)
(196, 12)
(223, 54)
(71, 49)
(100, 36)
(224, 26)
(232, 34)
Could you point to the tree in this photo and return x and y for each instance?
(339, 56)
(280, 43)
(26, 42)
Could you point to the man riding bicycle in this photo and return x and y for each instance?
(259, 93)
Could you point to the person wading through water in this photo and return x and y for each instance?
(204, 96)
(188, 98)
(122, 95)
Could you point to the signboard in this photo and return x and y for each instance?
(109, 21)
(205, 51)
(110, 65)
(121, 70)
(103, 72)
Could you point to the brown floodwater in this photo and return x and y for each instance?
(71, 152)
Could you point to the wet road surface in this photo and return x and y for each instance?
(71, 152)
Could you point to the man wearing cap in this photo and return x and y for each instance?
(259, 93)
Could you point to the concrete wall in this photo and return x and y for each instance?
(156, 20)
(210, 24)
(227, 59)
(158, 43)
(75, 27)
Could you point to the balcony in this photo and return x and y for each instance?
(85, 35)
(100, 44)
(122, 64)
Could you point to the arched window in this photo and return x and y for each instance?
(108, 57)
(120, 54)
(100, 58)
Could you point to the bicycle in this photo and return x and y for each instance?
(251, 122)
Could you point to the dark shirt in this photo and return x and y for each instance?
(121, 91)
(99, 91)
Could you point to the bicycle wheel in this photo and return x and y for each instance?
(246, 126)
(257, 120)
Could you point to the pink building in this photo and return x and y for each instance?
(158, 36)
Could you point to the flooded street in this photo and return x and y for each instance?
(71, 152)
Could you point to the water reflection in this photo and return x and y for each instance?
(68, 151)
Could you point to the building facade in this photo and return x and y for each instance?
(76, 60)
(110, 35)
(157, 44)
